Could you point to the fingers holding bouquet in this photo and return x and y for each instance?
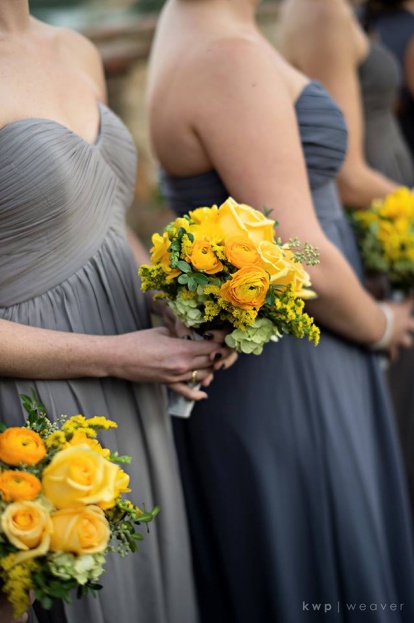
(225, 275)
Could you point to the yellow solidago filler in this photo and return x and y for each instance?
(212, 289)
(18, 583)
(102, 422)
(211, 310)
(187, 295)
(218, 250)
(186, 245)
(16, 486)
(56, 440)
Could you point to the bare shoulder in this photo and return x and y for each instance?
(226, 63)
(77, 50)
(328, 16)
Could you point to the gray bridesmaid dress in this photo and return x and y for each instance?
(292, 476)
(387, 152)
(384, 145)
(65, 264)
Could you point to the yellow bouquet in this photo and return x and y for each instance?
(385, 234)
(61, 507)
(223, 267)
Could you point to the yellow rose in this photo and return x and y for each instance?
(275, 263)
(237, 219)
(160, 255)
(27, 525)
(21, 445)
(240, 251)
(79, 475)
(16, 486)
(202, 257)
(247, 288)
(80, 531)
(121, 486)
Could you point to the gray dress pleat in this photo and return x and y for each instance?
(65, 264)
(291, 469)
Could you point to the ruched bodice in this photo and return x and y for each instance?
(324, 140)
(61, 196)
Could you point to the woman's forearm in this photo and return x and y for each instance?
(343, 305)
(30, 352)
(358, 185)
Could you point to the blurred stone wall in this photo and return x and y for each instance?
(125, 50)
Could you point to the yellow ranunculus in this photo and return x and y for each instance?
(16, 486)
(240, 219)
(240, 251)
(202, 257)
(21, 445)
(27, 525)
(78, 475)
(200, 215)
(80, 531)
(247, 288)
(159, 254)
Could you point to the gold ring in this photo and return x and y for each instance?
(194, 376)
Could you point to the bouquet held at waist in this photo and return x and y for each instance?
(223, 267)
(385, 235)
(61, 507)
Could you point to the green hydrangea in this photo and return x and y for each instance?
(254, 337)
(83, 569)
(187, 310)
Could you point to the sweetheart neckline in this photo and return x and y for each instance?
(30, 120)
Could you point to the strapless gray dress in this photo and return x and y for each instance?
(65, 264)
(387, 151)
(296, 497)
(384, 145)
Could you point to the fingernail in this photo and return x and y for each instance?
(217, 356)
(208, 336)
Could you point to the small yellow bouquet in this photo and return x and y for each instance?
(222, 267)
(385, 234)
(61, 507)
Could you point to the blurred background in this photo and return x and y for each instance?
(123, 31)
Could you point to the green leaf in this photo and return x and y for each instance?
(184, 266)
(2, 427)
(183, 279)
(200, 278)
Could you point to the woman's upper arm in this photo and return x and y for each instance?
(250, 134)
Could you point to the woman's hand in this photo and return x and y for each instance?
(154, 356)
(399, 327)
(228, 357)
